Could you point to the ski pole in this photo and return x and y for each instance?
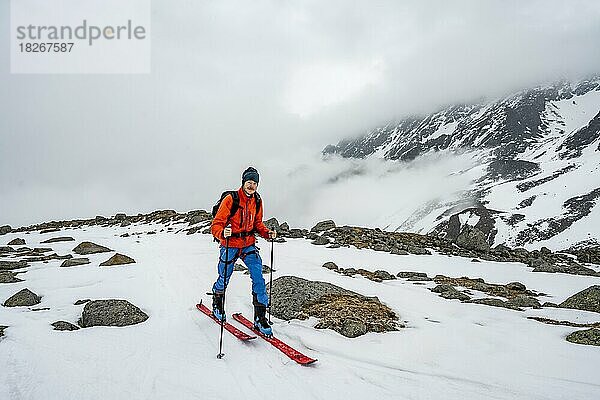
(271, 280)
(220, 355)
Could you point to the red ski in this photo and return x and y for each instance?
(284, 348)
(227, 326)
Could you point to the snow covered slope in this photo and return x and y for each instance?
(448, 350)
(535, 161)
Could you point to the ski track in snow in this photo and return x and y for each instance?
(449, 349)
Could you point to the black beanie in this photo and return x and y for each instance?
(250, 174)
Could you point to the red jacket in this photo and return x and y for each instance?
(245, 219)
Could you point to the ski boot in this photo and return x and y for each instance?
(217, 307)
(260, 321)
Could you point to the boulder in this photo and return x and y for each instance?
(73, 262)
(118, 259)
(323, 226)
(523, 300)
(7, 265)
(588, 336)
(64, 326)
(6, 249)
(59, 239)
(272, 224)
(413, 276)
(111, 312)
(23, 298)
(320, 240)
(331, 265)
(472, 239)
(8, 277)
(5, 229)
(2, 328)
(90, 248)
(16, 242)
(588, 300)
(290, 294)
(351, 315)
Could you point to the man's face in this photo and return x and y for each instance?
(250, 187)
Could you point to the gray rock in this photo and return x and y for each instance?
(118, 259)
(6, 249)
(323, 226)
(290, 294)
(111, 312)
(331, 265)
(64, 326)
(16, 242)
(90, 248)
(454, 294)
(494, 303)
(23, 298)
(444, 287)
(8, 277)
(399, 252)
(2, 328)
(272, 224)
(588, 300)
(80, 302)
(353, 328)
(588, 337)
(420, 251)
(73, 262)
(383, 275)
(5, 229)
(320, 240)
(516, 286)
(473, 239)
(7, 265)
(523, 300)
(413, 276)
(59, 239)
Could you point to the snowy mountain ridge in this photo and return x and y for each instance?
(536, 151)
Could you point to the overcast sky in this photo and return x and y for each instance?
(263, 83)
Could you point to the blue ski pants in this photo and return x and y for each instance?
(251, 258)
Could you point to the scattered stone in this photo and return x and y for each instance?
(6, 249)
(565, 323)
(50, 230)
(9, 277)
(118, 259)
(5, 229)
(516, 286)
(239, 267)
(80, 302)
(23, 298)
(64, 326)
(323, 226)
(320, 240)
(111, 312)
(16, 242)
(523, 300)
(413, 276)
(351, 315)
(550, 304)
(494, 303)
(2, 328)
(588, 300)
(472, 238)
(59, 239)
(7, 265)
(90, 248)
(73, 262)
(588, 337)
(331, 265)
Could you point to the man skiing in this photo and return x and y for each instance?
(238, 218)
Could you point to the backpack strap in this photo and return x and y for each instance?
(258, 201)
(235, 205)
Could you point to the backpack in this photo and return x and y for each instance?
(236, 203)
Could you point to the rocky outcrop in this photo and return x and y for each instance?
(64, 326)
(588, 337)
(323, 226)
(9, 265)
(111, 312)
(4, 229)
(59, 239)
(73, 262)
(16, 242)
(347, 312)
(118, 259)
(23, 298)
(588, 300)
(90, 248)
(9, 277)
